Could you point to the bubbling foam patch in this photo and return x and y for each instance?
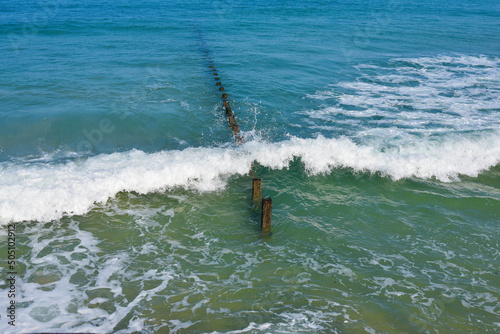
(47, 191)
(426, 95)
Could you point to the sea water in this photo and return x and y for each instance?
(374, 125)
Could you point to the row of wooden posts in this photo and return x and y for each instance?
(229, 112)
(267, 203)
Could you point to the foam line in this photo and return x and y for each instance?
(424, 95)
(47, 191)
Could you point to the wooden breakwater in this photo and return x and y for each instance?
(266, 203)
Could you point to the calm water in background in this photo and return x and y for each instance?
(375, 126)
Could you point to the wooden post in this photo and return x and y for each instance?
(267, 208)
(218, 83)
(221, 89)
(224, 96)
(236, 129)
(228, 111)
(226, 103)
(232, 121)
(257, 189)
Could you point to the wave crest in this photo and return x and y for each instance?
(47, 191)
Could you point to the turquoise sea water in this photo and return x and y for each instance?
(374, 125)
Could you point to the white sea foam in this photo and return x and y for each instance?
(47, 191)
(67, 288)
(428, 94)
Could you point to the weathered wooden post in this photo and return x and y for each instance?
(256, 189)
(236, 129)
(229, 112)
(267, 208)
(232, 121)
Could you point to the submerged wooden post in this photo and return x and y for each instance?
(236, 129)
(257, 189)
(229, 112)
(232, 121)
(267, 208)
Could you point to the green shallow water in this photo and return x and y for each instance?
(349, 252)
